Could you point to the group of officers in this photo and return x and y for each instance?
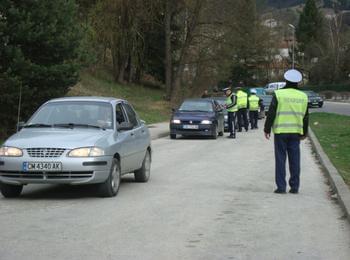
(237, 105)
(287, 118)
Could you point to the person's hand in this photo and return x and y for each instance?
(303, 137)
(267, 136)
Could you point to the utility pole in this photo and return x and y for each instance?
(293, 50)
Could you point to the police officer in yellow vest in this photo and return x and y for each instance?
(231, 107)
(253, 104)
(288, 117)
(242, 103)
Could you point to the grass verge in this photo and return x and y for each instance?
(333, 133)
(148, 102)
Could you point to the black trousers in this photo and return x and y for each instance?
(242, 119)
(253, 118)
(287, 144)
(231, 120)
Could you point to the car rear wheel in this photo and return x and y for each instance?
(143, 174)
(10, 191)
(172, 136)
(110, 187)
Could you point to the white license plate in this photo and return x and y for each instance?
(42, 166)
(190, 126)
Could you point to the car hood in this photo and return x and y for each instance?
(57, 138)
(194, 115)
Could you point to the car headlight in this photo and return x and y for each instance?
(86, 152)
(176, 121)
(7, 151)
(206, 122)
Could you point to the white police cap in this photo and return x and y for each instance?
(253, 91)
(293, 76)
(225, 89)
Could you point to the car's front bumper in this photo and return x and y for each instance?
(74, 170)
(315, 103)
(203, 130)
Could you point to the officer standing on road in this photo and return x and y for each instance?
(288, 116)
(242, 103)
(254, 103)
(231, 107)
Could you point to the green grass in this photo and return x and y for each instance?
(148, 102)
(333, 132)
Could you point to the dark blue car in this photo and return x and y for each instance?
(197, 117)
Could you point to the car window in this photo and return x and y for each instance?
(131, 115)
(74, 112)
(196, 105)
(119, 114)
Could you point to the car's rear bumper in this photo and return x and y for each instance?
(74, 171)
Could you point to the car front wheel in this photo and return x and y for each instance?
(215, 132)
(143, 174)
(10, 191)
(110, 187)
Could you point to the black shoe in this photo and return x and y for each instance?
(240, 130)
(280, 191)
(294, 191)
(231, 136)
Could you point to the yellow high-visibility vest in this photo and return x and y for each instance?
(242, 99)
(229, 102)
(291, 109)
(253, 103)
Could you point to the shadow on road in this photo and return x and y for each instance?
(64, 192)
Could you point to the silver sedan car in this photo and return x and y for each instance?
(77, 140)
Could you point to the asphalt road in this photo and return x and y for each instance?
(207, 199)
(334, 107)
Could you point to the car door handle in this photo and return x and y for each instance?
(132, 134)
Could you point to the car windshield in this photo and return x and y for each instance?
(196, 106)
(73, 114)
(311, 93)
(260, 91)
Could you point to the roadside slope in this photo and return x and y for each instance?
(148, 102)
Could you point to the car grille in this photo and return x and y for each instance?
(46, 175)
(45, 152)
(190, 122)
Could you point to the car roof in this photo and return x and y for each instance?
(87, 98)
(280, 82)
(199, 99)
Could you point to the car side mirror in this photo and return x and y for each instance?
(143, 122)
(125, 126)
(20, 125)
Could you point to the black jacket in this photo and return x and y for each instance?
(271, 114)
